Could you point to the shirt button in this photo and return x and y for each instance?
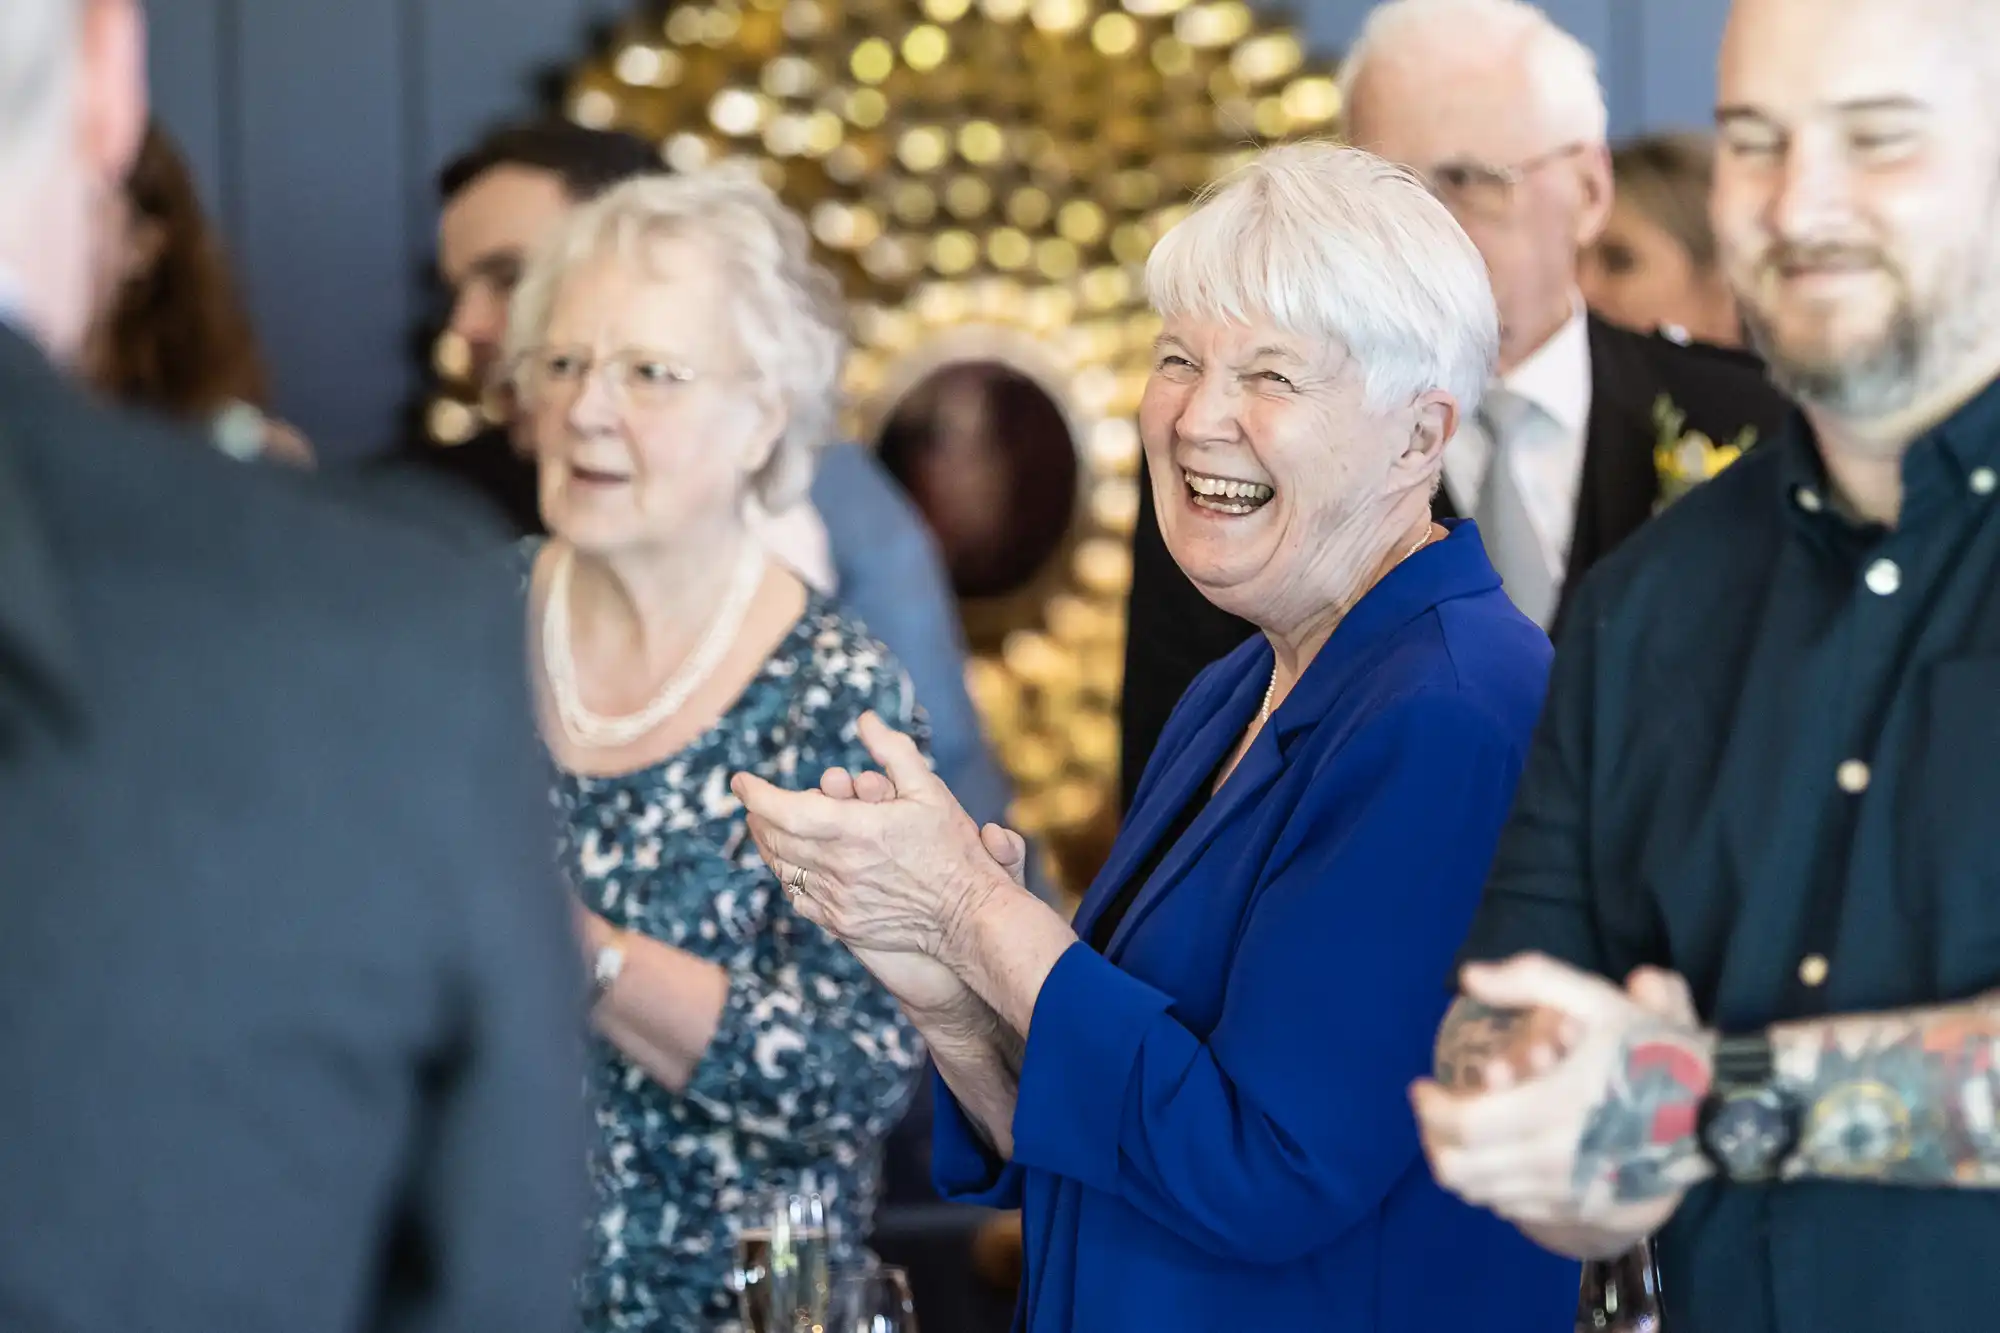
(1812, 969)
(1984, 481)
(1853, 777)
(1883, 578)
(1809, 500)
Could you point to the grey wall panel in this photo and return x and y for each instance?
(192, 88)
(482, 61)
(1678, 41)
(324, 232)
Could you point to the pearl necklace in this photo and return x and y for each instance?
(1271, 690)
(610, 733)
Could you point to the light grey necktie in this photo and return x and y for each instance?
(1511, 541)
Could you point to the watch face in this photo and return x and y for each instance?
(1748, 1133)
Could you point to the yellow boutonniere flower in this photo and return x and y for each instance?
(1684, 458)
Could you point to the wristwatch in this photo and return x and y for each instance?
(605, 967)
(1748, 1125)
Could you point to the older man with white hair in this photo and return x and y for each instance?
(291, 1004)
(1195, 1092)
(1500, 112)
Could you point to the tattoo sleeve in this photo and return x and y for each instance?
(1638, 1143)
(1908, 1098)
(1472, 1036)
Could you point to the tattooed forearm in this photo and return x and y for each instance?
(1638, 1143)
(1471, 1036)
(1910, 1098)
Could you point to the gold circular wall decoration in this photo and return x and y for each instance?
(986, 177)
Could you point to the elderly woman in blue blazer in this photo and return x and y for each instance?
(1197, 1093)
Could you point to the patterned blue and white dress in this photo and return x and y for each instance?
(812, 1064)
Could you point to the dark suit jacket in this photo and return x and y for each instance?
(290, 1013)
(1174, 631)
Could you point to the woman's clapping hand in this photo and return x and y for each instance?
(888, 862)
(1008, 849)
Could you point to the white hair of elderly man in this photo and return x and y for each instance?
(1561, 69)
(1332, 242)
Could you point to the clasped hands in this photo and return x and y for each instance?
(888, 863)
(1579, 1123)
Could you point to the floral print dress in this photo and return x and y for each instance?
(812, 1063)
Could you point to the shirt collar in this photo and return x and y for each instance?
(1938, 467)
(1971, 435)
(1556, 376)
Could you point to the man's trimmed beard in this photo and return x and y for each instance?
(1920, 349)
(1872, 382)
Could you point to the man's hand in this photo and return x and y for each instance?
(1602, 1139)
(1481, 1048)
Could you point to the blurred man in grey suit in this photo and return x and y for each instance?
(289, 1006)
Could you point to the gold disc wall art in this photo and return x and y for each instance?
(987, 177)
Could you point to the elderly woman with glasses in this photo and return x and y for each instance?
(677, 352)
(1197, 1092)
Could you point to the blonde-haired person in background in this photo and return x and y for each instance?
(676, 352)
(1655, 267)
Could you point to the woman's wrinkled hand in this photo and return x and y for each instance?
(928, 990)
(901, 873)
(1008, 849)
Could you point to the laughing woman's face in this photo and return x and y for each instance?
(1268, 470)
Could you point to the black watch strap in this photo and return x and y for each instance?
(1745, 1061)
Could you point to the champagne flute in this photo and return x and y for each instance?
(1621, 1295)
(871, 1299)
(782, 1258)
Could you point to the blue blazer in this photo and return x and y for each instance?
(1214, 1129)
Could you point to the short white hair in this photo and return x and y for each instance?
(787, 310)
(38, 55)
(1329, 242)
(1561, 70)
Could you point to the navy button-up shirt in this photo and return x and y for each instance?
(1771, 761)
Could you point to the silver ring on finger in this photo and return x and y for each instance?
(795, 883)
